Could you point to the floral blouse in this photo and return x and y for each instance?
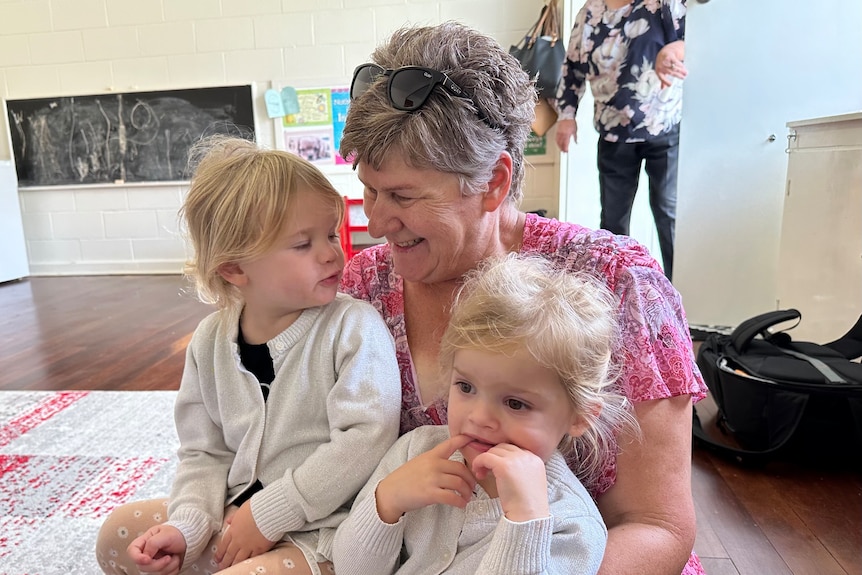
(656, 356)
(616, 50)
(656, 352)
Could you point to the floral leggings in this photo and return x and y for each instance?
(129, 521)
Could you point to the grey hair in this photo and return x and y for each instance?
(446, 134)
(567, 323)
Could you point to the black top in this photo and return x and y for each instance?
(257, 360)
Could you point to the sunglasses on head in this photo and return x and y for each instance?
(409, 87)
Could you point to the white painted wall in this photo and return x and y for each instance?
(67, 47)
(753, 67)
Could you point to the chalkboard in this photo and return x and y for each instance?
(121, 137)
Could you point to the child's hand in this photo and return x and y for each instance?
(425, 480)
(241, 539)
(522, 484)
(160, 550)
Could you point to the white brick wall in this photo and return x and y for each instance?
(66, 47)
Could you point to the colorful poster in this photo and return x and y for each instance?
(313, 144)
(315, 108)
(313, 129)
(340, 104)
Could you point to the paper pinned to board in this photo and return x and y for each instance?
(274, 105)
(290, 100)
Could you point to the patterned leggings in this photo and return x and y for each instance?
(129, 521)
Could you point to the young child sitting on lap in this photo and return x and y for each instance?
(528, 352)
(290, 394)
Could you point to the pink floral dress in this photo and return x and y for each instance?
(656, 352)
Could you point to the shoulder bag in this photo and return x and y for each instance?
(541, 52)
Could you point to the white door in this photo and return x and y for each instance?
(13, 253)
(753, 67)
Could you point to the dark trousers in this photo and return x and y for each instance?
(619, 171)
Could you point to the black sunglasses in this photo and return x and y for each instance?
(410, 86)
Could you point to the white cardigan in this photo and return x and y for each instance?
(478, 540)
(333, 411)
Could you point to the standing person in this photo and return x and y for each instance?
(289, 396)
(440, 152)
(528, 359)
(632, 52)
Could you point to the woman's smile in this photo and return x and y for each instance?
(407, 245)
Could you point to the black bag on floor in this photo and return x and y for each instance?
(775, 394)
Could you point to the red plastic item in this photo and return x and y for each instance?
(348, 227)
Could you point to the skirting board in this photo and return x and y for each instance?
(154, 267)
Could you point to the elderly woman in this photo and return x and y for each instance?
(436, 131)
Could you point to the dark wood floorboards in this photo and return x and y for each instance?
(130, 333)
(96, 332)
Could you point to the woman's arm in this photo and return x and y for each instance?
(573, 82)
(649, 511)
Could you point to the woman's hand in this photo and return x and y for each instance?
(670, 63)
(159, 551)
(566, 131)
(425, 480)
(522, 484)
(241, 539)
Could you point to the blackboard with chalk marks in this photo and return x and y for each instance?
(121, 137)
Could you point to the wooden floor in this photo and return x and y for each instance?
(130, 332)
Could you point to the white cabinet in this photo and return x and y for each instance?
(820, 256)
(13, 252)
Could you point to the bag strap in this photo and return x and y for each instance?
(745, 332)
(548, 24)
(830, 374)
(736, 452)
(850, 344)
(530, 37)
(538, 27)
(552, 25)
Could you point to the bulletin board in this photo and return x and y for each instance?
(310, 121)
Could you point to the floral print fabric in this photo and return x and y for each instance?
(656, 352)
(615, 51)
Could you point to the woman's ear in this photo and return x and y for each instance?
(501, 182)
(232, 273)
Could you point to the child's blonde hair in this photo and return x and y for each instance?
(567, 322)
(239, 198)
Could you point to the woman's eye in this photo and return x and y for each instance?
(516, 404)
